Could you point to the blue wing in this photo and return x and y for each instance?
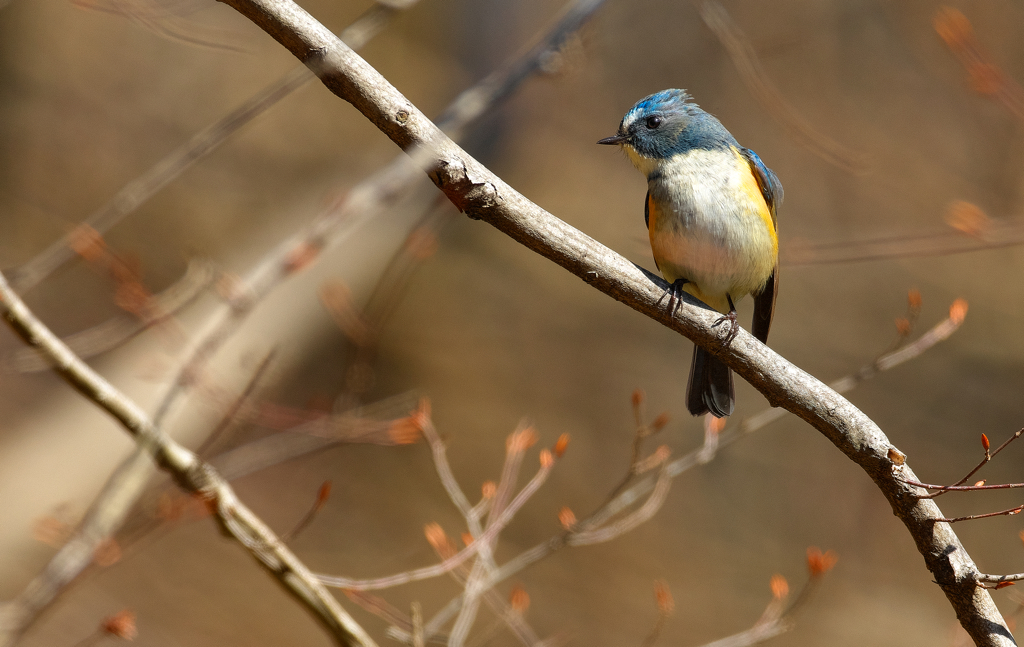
(767, 181)
(771, 189)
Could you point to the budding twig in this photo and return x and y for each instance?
(958, 486)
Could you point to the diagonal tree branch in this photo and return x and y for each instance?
(483, 195)
(190, 472)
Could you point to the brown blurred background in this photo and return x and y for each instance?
(493, 333)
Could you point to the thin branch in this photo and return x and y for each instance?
(230, 416)
(986, 77)
(459, 558)
(139, 190)
(630, 521)
(444, 469)
(471, 514)
(756, 79)
(481, 194)
(1001, 234)
(111, 334)
(999, 579)
(757, 634)
(960, 488)
(381, 608)
(942, 489)
(417, 626)
(323, 493)
(190, 472)
(586, 532)
(1009, 512)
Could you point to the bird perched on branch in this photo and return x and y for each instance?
(711, 215)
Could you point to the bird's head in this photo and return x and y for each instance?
(662, 125)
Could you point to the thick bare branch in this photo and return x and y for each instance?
(483, 195)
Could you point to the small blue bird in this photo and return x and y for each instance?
(711, 216)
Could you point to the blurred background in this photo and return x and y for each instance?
(878, 118)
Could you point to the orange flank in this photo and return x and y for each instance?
(652, 213)
(753, 191)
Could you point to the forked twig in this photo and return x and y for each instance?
(959, 485)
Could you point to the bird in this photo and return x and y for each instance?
(711, 213)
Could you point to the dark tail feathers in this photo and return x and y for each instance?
(710, 387)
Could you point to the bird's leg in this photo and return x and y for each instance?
(734, 325)
(675, 295)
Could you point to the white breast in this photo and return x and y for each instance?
(710, 227)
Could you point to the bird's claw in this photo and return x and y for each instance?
(675, 295)
(734, 325)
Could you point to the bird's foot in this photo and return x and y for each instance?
(734, 324)
(675, 295)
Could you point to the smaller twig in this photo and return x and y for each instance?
(777, 618)
(1009, 512)
(665, 604)
(637, 464)
(712, 432)
(229, 417)
(988, 456)
(999, 579)
(518, 442)
(481, 508)
(111, 334)
(511, 614)
(557, 542)
(818, 564)
(322, 495)
(417, 626)
(472, 515)
(120, 625)
(986, 77)
(759, 633)
(363, 325)
(630, 521)
(440, 455)
(516, 445)
(642, 429)
(905, 325)
(493, 529)
(401, 625)
(957, 488)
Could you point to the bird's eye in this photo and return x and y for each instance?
(653, 122)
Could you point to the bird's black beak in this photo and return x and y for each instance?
(614, 139)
